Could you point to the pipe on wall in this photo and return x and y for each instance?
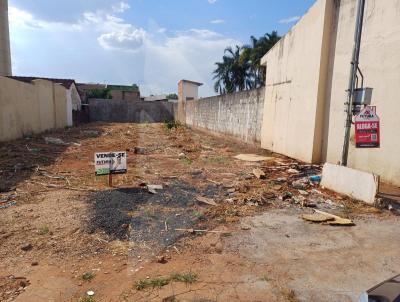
(5, 52)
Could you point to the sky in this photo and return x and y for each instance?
(153, 43)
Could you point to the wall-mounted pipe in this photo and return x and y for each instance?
(5, 53)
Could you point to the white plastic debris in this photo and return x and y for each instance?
(55, 141)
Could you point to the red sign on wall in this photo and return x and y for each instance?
(367, 128)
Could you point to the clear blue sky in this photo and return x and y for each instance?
(153, 43)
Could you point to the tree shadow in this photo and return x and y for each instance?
(21, 159)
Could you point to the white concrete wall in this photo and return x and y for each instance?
(380, 63)
(307, 77)
(70, 122)
(30, 108)
(294, 89)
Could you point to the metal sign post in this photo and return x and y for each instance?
(111, 172)
(353, 78)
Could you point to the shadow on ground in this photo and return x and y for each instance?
(22, 158)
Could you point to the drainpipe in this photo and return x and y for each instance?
(352, 80)
(5, 53)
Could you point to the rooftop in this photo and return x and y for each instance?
(192, 82)
(64, 82)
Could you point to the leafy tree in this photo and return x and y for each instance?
(103, 93)
(172, 96)
(241, 68)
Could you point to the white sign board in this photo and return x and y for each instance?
(110, 162)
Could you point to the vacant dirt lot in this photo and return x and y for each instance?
(64, 232)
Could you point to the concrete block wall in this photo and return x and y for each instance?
(28, 108)
(239, 114)
(121, 111)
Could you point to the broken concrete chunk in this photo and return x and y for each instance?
(181, 155)
(27, 247)
(298, 184)
(206, 200)
(245, 227)
(252, 157)
(259, 173)
(302, 192)
(280, 180)
(293, 171)
(153, 188)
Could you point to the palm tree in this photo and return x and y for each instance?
(254, 53)
(241, 68)
(232, 74)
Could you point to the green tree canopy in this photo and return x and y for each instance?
(172, 96)
(103, 93)
(241, 68)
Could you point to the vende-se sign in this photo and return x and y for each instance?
(367, 126)
(110, 163)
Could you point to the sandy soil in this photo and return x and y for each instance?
(59, 222)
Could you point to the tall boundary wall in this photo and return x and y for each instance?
(122, 111)
(238, 114)
(307, 78)
(30, 108)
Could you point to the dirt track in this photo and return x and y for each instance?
(262, 250)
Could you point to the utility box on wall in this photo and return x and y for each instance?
(362, 96)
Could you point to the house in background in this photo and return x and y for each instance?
(155, 98)
(123, 92)
(74, 102)
(172, 98)
(115, 92)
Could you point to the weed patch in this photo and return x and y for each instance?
(88, 276)
(160, 282)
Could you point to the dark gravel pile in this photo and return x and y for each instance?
(146, 219)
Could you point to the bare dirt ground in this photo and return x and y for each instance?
(64, 232)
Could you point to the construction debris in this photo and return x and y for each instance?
(193, 231)
(206, 200)
(90, 293)
(27, 247)
(299, 184)
(252, 157)
(315, 178)
(320, 216)
(91, 133)
(153, 188)
(139, 150)
(55, 141)
(259, 173)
